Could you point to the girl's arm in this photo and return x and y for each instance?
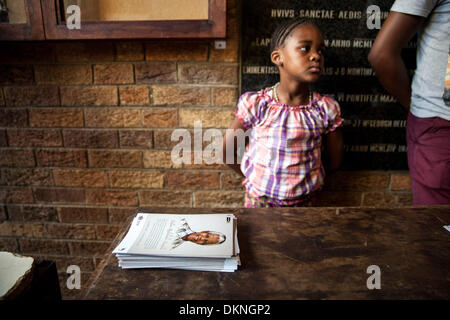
(335, 150)
(229, 138)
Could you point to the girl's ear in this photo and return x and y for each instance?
(275, 56)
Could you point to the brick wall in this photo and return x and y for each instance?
(85, 132)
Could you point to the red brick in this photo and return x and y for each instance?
(3, 139)
(16, 74)
(177, 95)
(129, 51)
(26, 177)
(111, 197)
(136, 179)
(231, 181)
(115, 159)
(121, 118)
(401, 182)
(404, 199)
(10, 245)
(159, 159)
(379, 199)
(56, 117)
(84, 248)
(13, 118)
(176, 51)
(91, 138)
(120, 73)
(205, 161)
(11, 229)
(163, 140)
(134, 96)
(16, 195)
(63, 74)
(120, 215)
(61, 158)
(34, 229)
(337, 199)
(358, 181)
(89, 96)
(212, 142)
(164, 72)
(82, 214)
(34, 138)
(16, 158)
(225, 96)
(59, 195)
(3, 215)
(136, 139)
(205, 156)
(84, 51)
(161, 118)
(209, 118)
(43, 246)
(71, 231)
(32, 213)
(36, 96)
(190, 180)
(22, 229)
(208, 74)
(218, 199)
(107, 232)
(33, 52)
(166, 198)
(79, 178)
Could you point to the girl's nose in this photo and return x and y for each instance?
(315, 56)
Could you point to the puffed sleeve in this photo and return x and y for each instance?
(248, 109)
(332, 110)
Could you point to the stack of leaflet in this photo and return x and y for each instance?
(205, 242)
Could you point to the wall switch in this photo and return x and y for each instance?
(220, 44)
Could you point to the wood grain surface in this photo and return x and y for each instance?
(304, 253)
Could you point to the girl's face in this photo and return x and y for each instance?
(302, 54)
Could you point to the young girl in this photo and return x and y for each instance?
(282, 163)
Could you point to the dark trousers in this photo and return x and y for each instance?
(429, 159)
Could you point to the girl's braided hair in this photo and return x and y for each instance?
(284, 30)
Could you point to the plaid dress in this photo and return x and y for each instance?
(282, 161)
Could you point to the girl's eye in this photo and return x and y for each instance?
(305, 48)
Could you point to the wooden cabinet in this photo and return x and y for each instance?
(112, 19)
(21, 20)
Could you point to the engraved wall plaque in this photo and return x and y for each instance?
(375, 124)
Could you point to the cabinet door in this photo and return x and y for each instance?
(21, 20)
(134, 19)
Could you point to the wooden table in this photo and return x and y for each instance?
(304, 253)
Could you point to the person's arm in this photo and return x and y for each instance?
(335, 150)
(385, 55)
(229, 138)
